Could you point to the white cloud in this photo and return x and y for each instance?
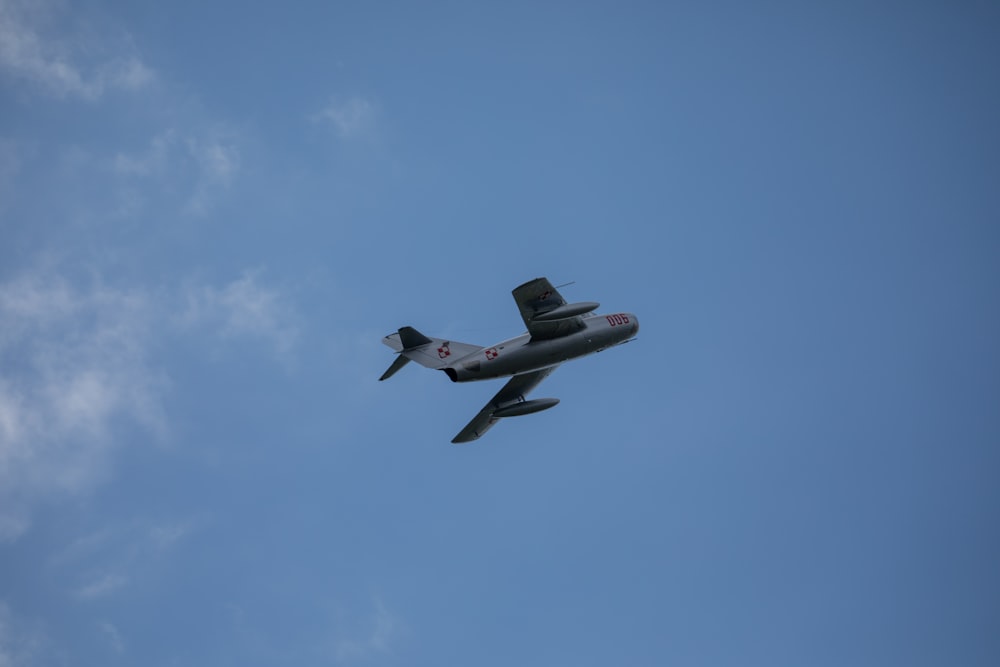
(384, 629)
(10, 165)
(75, 364)
(351, 118)
(136, 541)
(243, 308)
(13, 522)
(113, 636)
(101, 586)
(102, 563)
(82, 547)
(201, 166)
(218, 161)
(77, 369)
(152, 161)
(57, 64)
(22, 643)
(164, 536)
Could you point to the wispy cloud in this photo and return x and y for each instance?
(113, 636)
(218, 162)
(22, 643)
(78, 366)
(202, 165)
(244, 308)
(10, 165)
(104, 562)
(101, 586)
(162, 536)
(75, 363)
(383, 630)
(82, 547)
(152, 161)
(58, 63)
(351, 117)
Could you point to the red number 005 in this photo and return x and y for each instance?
(615, 320)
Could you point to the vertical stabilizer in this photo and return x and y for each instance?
(411, 338)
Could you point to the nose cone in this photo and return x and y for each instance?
(635, 324)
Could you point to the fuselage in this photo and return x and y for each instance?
(522, 354)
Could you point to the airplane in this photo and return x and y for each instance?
(557, 332)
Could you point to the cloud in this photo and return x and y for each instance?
(135, 541)
(201, 165)
(101, 586)
(78, 373)
(23, 643)
(184, 160)
(10, 164)
(113, 636)
(384, 630)
(243, 308)
(218, 162)
(57, 64)
(13, 522)
(82, 547)
(75, 367)
(351, 118)
(153, 161)
(102, 563)
(164, 536)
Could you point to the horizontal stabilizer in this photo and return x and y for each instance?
(392, 340)
(398, 363)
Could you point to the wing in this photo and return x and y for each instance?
(537, 297)
(514, 391)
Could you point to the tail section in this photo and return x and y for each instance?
(435, 353)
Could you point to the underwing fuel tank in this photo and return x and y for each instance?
(568, 310)
(526, 407)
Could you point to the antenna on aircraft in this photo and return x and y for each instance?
(572, 282)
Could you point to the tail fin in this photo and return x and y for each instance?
(433, 353)
(412, 338)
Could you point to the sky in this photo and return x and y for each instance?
(211, 213)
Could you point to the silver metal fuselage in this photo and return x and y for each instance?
(522, 354)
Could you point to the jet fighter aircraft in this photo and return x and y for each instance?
(557, 332)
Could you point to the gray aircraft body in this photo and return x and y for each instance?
(557, 332)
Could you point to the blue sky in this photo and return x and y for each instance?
(211, 214)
